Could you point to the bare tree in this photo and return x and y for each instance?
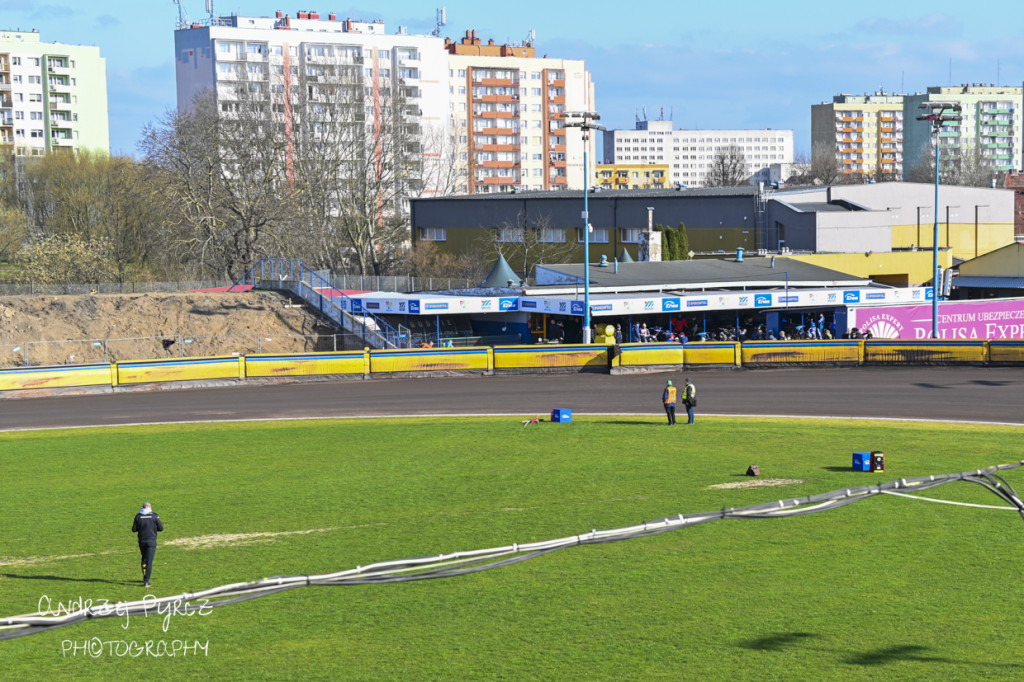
(728, 168)
(525, 243)
(359, 153)
(222, 174)
(825, 168)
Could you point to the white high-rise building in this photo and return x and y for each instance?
(497, 108)
(690, 153)
(52, 96)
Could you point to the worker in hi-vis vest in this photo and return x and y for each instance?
(690, 400)
(669, 398)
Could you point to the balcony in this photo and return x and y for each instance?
(496, 147)
(497, 114)
(498, 180)
(498, 164)
(495, 81)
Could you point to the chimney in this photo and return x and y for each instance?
(303, 14)
(314, 15)
(279, 15)
(491, 41)
(332, 17)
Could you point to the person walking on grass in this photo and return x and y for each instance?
(147, 524)
(669, 398)
(689, 400)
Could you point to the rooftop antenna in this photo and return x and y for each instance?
(661, 114)
(442, 20)
(183, 20)
(530, 38)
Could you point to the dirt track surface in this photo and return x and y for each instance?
(939, 393)
(215, 324)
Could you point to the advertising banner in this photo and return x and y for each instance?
(991, 319)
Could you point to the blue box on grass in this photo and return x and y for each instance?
(862, 461)
(561, 415)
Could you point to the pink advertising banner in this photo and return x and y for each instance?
(995, 319)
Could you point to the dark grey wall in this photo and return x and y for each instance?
(607, 209)
(801, 229)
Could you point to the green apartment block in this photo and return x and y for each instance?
(991, 124)
(53, 97)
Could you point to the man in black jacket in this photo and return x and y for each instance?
(147, 524)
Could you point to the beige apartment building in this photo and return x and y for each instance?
(507, 112)
(865, 132)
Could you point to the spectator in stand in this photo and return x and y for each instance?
(559, 332)
(645, 335)
(618, 334)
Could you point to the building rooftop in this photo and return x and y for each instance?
(754, 272)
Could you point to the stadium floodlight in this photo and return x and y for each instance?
(585, 124)
(939, 113)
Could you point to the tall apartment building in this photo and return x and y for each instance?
(690, 153)
(322, 63)
(495, 108)
(991, 125)
(52, 96)
(507, 108)
(865, 132)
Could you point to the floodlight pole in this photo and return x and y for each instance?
(939, 113)
(585, 124)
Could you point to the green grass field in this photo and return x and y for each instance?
(888, 588)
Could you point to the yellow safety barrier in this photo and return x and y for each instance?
(714, 353)
(930, 352)
(647, 354)
(305, 364)
(1006, 352)
(54, 377)
(547, 357)
(188, 369)
(800, 352)
(429, 359)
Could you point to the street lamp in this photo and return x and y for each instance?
(585, 124)
(938, 113)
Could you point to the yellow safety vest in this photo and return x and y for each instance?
(670, 394)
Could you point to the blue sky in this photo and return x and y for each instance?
(708, 64)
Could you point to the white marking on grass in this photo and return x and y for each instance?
(758, 483)
(195, 542)
(239, 539)
(28, 560)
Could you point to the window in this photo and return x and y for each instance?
(20, 115)
(509, 234)
(17, 62)
(630, 235)
(36, 133)
(432, 234)
(34, 61)
(35, 79)
(36, 115)
(462, 73)
(554, 235)
(598, 235)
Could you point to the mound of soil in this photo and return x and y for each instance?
(56, 330)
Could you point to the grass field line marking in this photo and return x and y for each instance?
(28, 560)
(190, 543)
(507, 414)
(756, 483)
(239, 539)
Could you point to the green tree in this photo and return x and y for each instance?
(675, 244)
(66, 259)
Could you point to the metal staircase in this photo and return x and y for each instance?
(292, 275)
